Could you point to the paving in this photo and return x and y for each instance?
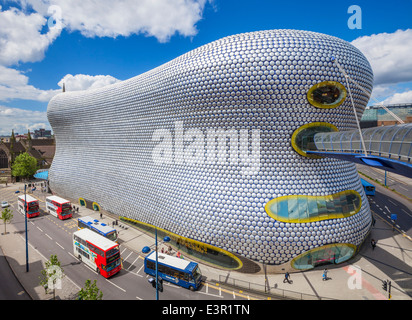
(357, 279)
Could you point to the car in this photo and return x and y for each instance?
(4, 204)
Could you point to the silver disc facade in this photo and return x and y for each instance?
(207, 147)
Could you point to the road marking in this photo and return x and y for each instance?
(400, 186)
(210, 294)
(391, 202)
(387, 208)
(128, 256)
(40, 229)
(133, 263)
(406, 213)
(60, 245)
(48, 236)
(139, 271)
(116, 285)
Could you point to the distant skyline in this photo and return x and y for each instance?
(45, 43)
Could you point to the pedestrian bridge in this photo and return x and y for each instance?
(387, 147)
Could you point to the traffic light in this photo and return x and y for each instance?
(384, 285)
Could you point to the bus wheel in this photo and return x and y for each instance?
(98, 270)
(80, 257)
(191, 288)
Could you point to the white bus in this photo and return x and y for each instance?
(97, 226)
(98, 252)
(32, 205)
(59, 207)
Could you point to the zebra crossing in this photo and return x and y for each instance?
(132, 262)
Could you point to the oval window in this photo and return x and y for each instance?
(304, 209)
(328, 254)
(327, 94)
(303, 138)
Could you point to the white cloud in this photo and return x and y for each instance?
(399, 98)
(105, 18)
(389, 55)
(84, 82)
(21, 39)
(14, 85)
(23, 36)
(21, 120)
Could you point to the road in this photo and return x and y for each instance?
(385, 203)
(401, 184)
(385, 207)
(50, 235)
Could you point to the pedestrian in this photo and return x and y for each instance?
(325, 275)
(373, 243)
(287, 277)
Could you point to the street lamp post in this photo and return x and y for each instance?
(157, 270)
(25, 222)
(147, 250)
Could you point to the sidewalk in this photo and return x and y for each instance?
(358, 279)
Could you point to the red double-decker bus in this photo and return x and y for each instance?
(98, 252)
(32, 205)
(59, 207)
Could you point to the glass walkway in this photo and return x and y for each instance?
(387, 147)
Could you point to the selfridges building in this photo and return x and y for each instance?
(210, 149)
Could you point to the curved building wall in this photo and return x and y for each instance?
(202, 146)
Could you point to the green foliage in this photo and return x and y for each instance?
(90, 291)
(24, 166)
(6, 216)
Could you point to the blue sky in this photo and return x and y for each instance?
(116, 40)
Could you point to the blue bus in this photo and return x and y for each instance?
(175, 270)
(99, 227)
(369, 188)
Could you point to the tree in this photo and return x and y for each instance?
(6, 216)
(90, 291)
(24, 166)
(51, 275)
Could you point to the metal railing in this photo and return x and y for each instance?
(267, 290)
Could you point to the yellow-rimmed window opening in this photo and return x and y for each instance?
(96, 206)
(303, 137)
(82, 202)
(327, 94)
(304, 209)
(331, 253)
